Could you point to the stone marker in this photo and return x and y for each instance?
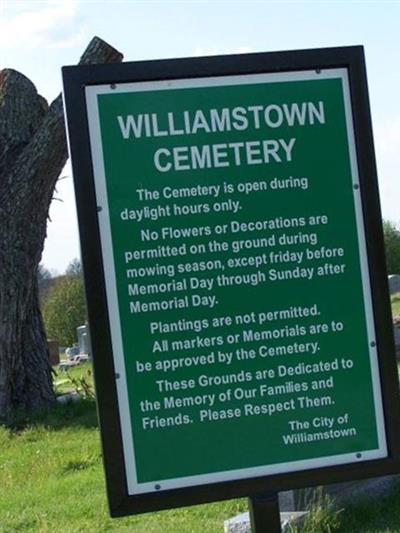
(344, 494)
(241, 522)
(294, 502)
(54, 355)
(340, 494)
(69, 397)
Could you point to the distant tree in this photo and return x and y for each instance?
(64, 309)
(74, 268)
(44, 279)
(392, 246)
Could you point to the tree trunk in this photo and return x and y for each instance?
(33, 152)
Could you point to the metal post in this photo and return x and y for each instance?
(264, 513)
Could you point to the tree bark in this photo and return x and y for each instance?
(33, 151)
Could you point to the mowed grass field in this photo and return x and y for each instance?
(51, 480)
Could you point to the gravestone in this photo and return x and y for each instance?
(394, 283)
(54, 355)
(241, 522)
(83, 339)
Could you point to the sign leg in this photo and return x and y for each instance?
(264, 513)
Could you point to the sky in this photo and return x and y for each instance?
(38, 37)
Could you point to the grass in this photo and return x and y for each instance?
(323, 517)
(76, 378)
(377, 516)
(51, 480)
(373, 516)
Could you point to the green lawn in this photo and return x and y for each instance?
(75, 378)
(376, 516)
(51, 480)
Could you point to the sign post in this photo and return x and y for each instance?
(264, 513)
(234, 268)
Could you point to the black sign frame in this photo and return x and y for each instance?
(76, 78)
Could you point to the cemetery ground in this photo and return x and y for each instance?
(51, 479)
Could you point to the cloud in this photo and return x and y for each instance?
(51, 23)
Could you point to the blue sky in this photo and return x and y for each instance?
(38, 37)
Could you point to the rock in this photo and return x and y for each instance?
(70, 397)
(342, 494)
(237, 524)
(241, 522)
(294, 503)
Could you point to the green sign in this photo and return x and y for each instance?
(236, 276)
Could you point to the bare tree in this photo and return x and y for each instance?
(74, 269)
(45, 280)
(33, 152)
